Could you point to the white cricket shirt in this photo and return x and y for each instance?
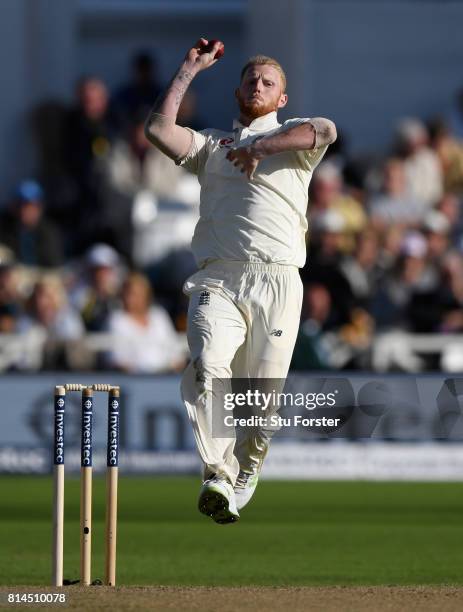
(259, 220)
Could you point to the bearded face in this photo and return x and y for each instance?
(255, 106)
(260, 91)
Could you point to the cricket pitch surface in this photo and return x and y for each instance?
(252, 599)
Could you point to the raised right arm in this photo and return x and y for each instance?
(161, 128)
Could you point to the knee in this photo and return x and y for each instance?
(206, 369)
(200, 371)
(197, 380)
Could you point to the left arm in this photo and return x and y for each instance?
(316, 133)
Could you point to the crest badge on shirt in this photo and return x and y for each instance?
(204, 298)
(226, 142)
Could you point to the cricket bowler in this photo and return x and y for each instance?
(246, 298)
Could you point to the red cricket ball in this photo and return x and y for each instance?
(208, 48)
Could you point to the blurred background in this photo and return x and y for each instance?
(95, 224)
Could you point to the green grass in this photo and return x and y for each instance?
(293, 533)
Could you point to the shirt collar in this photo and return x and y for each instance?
(260, 124)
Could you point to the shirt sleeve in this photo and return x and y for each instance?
(309, 158)
(196, 158)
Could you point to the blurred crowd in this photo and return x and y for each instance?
(94, 248)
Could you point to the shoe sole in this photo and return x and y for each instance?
(215, 505)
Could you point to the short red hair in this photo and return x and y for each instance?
(264, 60)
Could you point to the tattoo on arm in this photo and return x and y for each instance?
(185, 79)
(309, 135)
(161, 124)
(178, 84)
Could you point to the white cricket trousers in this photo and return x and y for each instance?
(243, 320)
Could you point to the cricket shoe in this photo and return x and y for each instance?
(217, 500)
(245, 486)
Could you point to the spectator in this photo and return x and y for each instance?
(168, 276)
(391, 246)
(362, 269)
(355, 173)
(8, 315)
(323, 263)
(423, 174)
(451, 294)
(25, 229)
(440, 308)
(10, 296)
(134, 165)
(9, 311)
(16, 352)
(327, 194)
(48, 308)
(90, 129)
(136, 96)
(394, 204)
(410, 277)
(10, 306)
(144, 337)
(450, 154)
(436, 229)
(160, 199)
(96, 295)
(89, 137)
(310, 352)
(10, 349)
(50, 323)
(450, 206)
